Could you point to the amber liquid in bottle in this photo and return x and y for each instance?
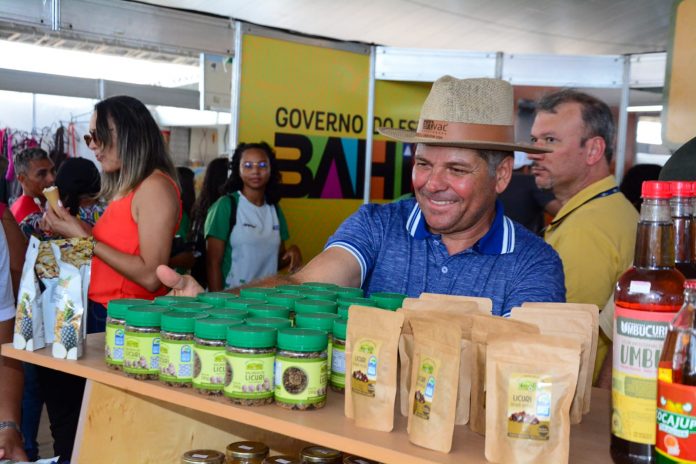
(653, 262)
(683, 237)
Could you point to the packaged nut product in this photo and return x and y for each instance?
(203, 456)
(216, 299)
(388, 300)
(319, 321)
(320, 454)
(249, 365)
(530, 381)
(167, 300)
(176, 348)
(29, 325)
(337, 378)
(300, 369)
(282, 459)
(246, 452)
(268, 310)
(210, 337)
(443, 306)
(257, 292)
(242, 303)
(227, 313)
(371, 362)
(142, 341)
(274, 322)
(116, 329)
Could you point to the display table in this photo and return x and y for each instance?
(127, 420)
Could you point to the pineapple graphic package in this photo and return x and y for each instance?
(29, 327)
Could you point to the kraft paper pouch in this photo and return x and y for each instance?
(464, 321)
(530, 381)
(434, 383)
(593, 311)
(372, 344)
(74, 257)
(29, 328)
(451, 307)
(485, 304)
(575, 325)
(48, 271)
(483, 327)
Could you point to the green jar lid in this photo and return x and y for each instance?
(268, 310)
(214, 329)
(290, 288)
(242, 303)
(387, 300)
(315, 306)
(304, 340)
(284, 299)
(319, 321)
(346, 301)
(274, 322)
(340, 327)
(348, 292)
(256, 292)
(314, 294)
(342, 312)
(215, 298)
(117, 308)
(191, 306)
(251, 336)
(320, 285)
(167, 300)
(180, 322)
(227, 313)
(145, 315)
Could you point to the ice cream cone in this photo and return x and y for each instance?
(52, 196)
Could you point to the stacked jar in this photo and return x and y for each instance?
(209, 366)
(203, 456)
(142, 341)
(268, 310)
(320, 455)
(246, 452)
(388, 300)
(300, 369)
(249, 365)
(273, 322)
(176, 348)
(337, 378)
(319, 321)
(345, 302)
(114, 338)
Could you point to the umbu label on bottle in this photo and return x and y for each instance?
(638, 339)
(676, 423)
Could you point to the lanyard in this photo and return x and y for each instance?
(557, 222)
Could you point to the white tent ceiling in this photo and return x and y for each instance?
(589, 27)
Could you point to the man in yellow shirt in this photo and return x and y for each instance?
(594, 231)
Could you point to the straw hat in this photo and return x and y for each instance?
(468, 113)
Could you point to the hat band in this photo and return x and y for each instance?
(449, 131)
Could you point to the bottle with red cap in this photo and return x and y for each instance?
(682, 206)
(676, 386)
(647, 297)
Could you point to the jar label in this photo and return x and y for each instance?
(329, 353)
(529, 406)
(208, 367)
(249, 376)
(141, 353)
(176, 361)
(425, 387)
(338, 366)
(676, 422)
(300, 381)
(115, 338)
(364, 363)
(638, 339)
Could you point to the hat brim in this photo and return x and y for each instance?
(407, 136)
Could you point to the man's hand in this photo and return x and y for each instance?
(181, 285)
(11, 445)
(293, 257)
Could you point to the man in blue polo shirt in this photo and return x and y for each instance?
(453, 238)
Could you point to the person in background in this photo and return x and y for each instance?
(182, 254)
(682, 164)
(595, 230)
(35, 172)
(12, 249)
(453, 238)
(633, 179)
(131, 238)
(215, 178)
(245, 229)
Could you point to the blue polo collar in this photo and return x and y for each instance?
(499, 240)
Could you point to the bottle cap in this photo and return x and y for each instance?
(180, 322)
(145, 316)
(214, 329)
(304, 340)
(348, 291)
(242, 303)
(319, 321)
(251, 336)
(227, 313)
(215, 298)
(284, 299)
(315, 306)
(340, 328)
(256, 292)
(274, 322)
(656, 189)
(246, 450)
(268, 310)
(388, 300)
(690, 283)
(117, 308)
(167, 300)
(320, 285)
(316, 294)
(681, 188)
(191, 306)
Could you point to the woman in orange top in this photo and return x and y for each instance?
(134, 235)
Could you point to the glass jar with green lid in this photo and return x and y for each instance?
(176, 348)
(203, 456)
(320, 455)
(349, 292)
(227, 313)
(142, 341)
(345, 302)
(256, 292)
(357, 460)
(281, 459)
(290, 288)
(300, 369)
(167, 300)
(337, 376)
(191, 306)
(320, 294)
(274, 322)
(268, 310)
(216, 299)
(242, 303)
(320, 285)
(246, 452)
(315, 306)
(319, 321)
(388, 300)
(210, 341)
(114, 337)
(284, 299)
(249, 369)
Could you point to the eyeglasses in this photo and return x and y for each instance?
(92, 136)
(259, 164)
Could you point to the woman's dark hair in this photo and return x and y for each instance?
(188, 192)
(216, 175)
(77, 178)
(234, 183)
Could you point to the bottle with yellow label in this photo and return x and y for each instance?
(647, 297)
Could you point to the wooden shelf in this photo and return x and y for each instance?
(328, 426)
